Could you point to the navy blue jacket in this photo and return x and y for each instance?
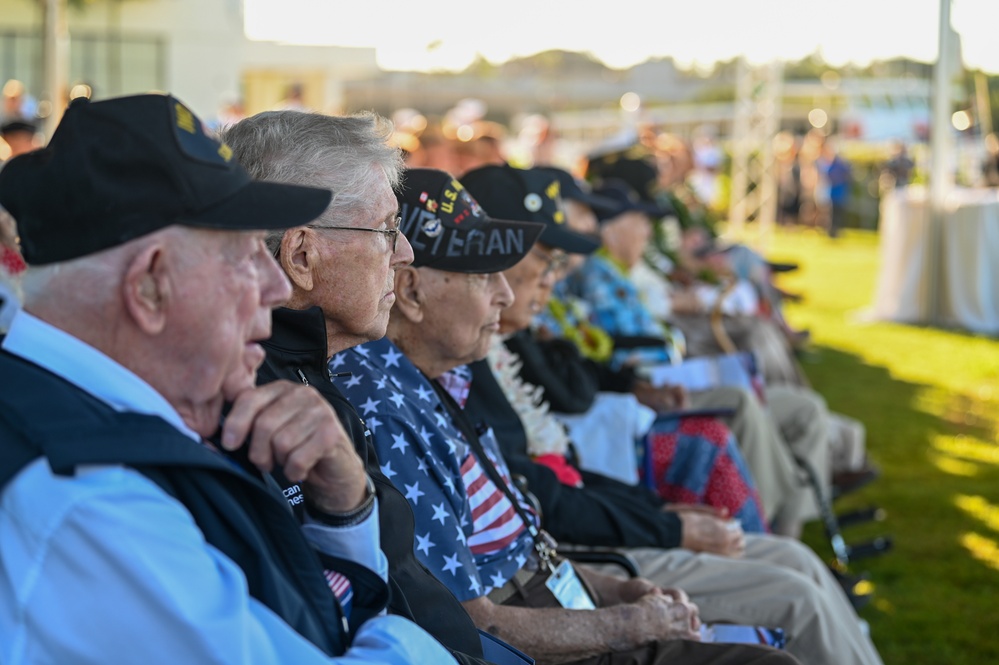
(244, 517)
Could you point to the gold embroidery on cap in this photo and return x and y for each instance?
(553, 190)
(185, 119)
(225, 152)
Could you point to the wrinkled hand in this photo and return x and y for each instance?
(292, 426)
(632, 589)
(662, 399)
(703, 532)
(670, 615)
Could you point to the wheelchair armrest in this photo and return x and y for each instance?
(601, 556)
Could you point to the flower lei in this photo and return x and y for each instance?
(545, 435)
(591, 341)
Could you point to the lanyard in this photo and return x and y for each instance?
(544, 544)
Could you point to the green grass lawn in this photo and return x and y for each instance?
(930, 401)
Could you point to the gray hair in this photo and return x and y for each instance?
(342, 153)
(93, 280)
(89, 280)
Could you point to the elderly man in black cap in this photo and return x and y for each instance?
(131, 527)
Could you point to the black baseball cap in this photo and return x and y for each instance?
(625, 200)
(574, 190)
(17, 125)
(119, 169)
(635, 166)
(450, 231)
(531, 195)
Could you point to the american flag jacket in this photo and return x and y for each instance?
(468, 534)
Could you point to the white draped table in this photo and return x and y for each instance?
(968, 272)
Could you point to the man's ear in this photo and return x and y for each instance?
(299, 257)
(147, 289)
(408, 294)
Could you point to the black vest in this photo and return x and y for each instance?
(42, 415)
(296, 351)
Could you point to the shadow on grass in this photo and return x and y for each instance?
(940, 470)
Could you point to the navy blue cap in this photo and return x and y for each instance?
(575, 190)
(625, 200)
(530, 195)
(119, 169)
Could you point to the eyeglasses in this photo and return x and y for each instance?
(393, 233)
(557, 260)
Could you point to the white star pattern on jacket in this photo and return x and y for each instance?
(468, 533)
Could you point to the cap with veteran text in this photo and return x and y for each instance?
(450, 231)
(119, 169)
(531, 195)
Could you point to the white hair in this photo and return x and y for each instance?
(347, 154)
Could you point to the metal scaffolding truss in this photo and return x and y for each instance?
(753, 197)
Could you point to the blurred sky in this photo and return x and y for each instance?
(439, 34)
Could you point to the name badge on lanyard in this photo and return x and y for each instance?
(568, 589)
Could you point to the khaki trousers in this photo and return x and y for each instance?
(684, 652)
(794, 423)
(779, 583)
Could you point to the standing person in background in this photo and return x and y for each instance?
(897, 170)
(788, 180)
(838, 177)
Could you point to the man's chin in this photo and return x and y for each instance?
(245, 376)
(239, 381)
(234, 386)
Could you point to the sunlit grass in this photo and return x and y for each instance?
(930, 401)
(981, 548)
(968, 449)
(979, 508)
(953, 466)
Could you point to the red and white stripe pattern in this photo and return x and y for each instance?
(495, 522)
(341, 588)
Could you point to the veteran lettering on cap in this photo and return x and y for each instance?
(450, 231)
